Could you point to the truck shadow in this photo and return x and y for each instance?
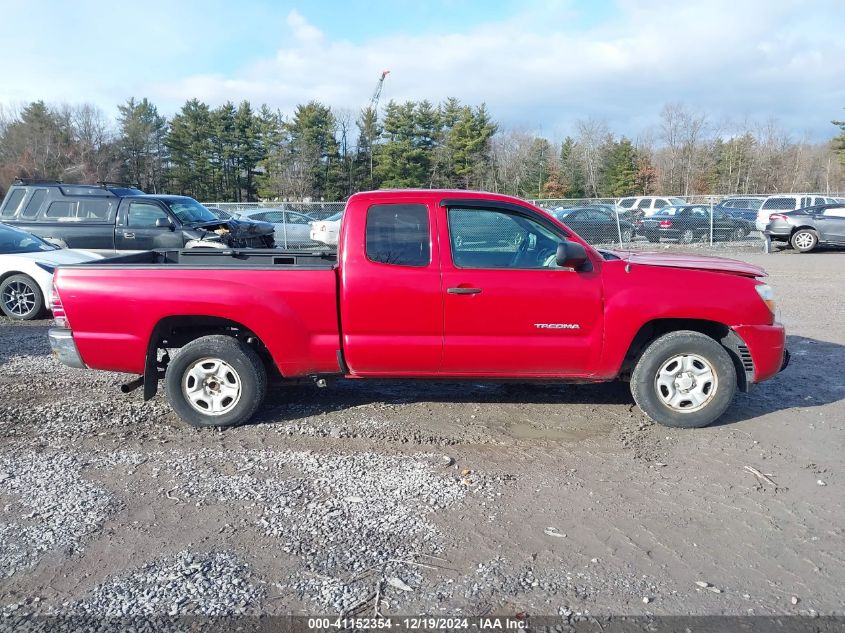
(812, 379)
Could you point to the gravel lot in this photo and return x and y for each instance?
(430, 498)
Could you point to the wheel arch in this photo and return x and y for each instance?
(177, 331)
(719, 332)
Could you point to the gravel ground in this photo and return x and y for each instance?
(433, 498)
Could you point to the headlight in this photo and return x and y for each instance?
(767, 295)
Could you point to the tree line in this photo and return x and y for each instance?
(243, 153)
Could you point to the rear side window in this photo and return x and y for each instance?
(12, 203)
(779, 204)
(61, 209)
(96, 210)
(659, 204)
(627, 203)
(34, 205)
(398, 234)
(644, 204)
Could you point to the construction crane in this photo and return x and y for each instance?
(374, 108)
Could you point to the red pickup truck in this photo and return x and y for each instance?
(425, 284)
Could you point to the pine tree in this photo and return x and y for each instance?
(621, 170)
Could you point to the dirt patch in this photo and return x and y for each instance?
(438, 497)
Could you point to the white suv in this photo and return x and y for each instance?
(647, 205)
(787, 202)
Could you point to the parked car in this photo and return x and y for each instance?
(787, 202)
(596, 224)
(220, 214)
(109, 218)
(647, 205)
(744, 207)
(805, 229)
(291, 227)
(26, 272)
(412, 294)
(326, 231)
(691, 223)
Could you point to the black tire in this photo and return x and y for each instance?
(627, 236)
(21, 298)
(652, 238)
(663, 350)
(739, 233)
(804, 240)
(244, 369)
(687, 236)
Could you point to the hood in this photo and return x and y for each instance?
(697, 262)
(60, 256)
(234, 226)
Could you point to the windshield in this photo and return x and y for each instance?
(335, 217)
(189, 210)
(562, 213)
(677, 201)
(666, 211)
(13, 241)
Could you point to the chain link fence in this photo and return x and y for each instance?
(707, 222)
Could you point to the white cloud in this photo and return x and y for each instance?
(538, 69)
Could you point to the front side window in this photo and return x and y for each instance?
(497, 239)
(644, 204)
(398, 234)
(143, 215)
(61, 209)
(296, 218)
(12, 203)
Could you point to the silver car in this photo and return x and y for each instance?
(806, 228)
(292, 229)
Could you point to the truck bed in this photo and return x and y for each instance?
(288, 299)
(223, 258)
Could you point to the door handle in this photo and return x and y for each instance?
(129, 236)
(463, 291)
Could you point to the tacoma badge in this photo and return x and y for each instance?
(557, 326)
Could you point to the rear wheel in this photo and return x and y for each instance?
(216, 381)
(684, 379)
(687, 236)
(627, 235)
(21, 298)
(739, 233)
(804, 240)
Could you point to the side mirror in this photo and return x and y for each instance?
(570, 255)
(165, 223)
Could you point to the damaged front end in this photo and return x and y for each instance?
(231, 234)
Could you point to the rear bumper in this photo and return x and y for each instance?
(767, 345)
(64, 348)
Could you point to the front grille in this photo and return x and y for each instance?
(745, 359)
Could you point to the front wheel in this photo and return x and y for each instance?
(684, 379)
(804, 240)
(21, 298)
(216, 381)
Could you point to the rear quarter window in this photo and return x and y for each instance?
(34, 205)
(13, 201)
(398, 234)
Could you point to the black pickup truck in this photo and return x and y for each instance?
(113, 218)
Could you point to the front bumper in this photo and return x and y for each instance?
(64, 348)
(767, 345)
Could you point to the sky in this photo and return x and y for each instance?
(539, 66)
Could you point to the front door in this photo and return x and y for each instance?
(831, 224)
(137, 228)
(508, 309)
